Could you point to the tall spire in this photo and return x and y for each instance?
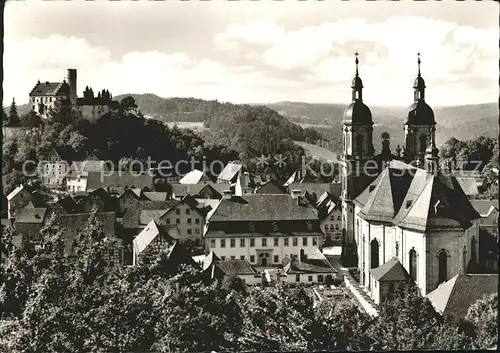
(357, 84)
(418, 63)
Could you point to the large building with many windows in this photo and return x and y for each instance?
(264, 229)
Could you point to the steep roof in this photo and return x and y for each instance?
(235, 267)
(179, 190)
(50, 89)
(194, 177)
(147, 216)
(14, 192)
(415, 199)
(270, 187)
(261, 207)
(148, 234)
(468, 185)
(132, 217)
(229, 171)
(314, 263)
(455, 296)
(156, 196)
(484, 207)
(391, 271)
(31, 214)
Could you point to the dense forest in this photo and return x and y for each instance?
(54, 303)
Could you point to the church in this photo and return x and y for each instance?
(402, 216)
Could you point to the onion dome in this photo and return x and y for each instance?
(420, 113)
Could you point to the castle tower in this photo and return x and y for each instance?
(72, 86)
(357, 129)
(419, 124)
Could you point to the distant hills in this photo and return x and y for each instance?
(462, 122)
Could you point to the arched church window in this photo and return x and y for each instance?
(359, 144)
(442, 267)
(423, 143)
(374, 253)
(413, 264)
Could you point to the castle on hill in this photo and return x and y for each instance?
(49, 95)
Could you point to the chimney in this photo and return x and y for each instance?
(72, 86)
(227, 194)
(303, 256)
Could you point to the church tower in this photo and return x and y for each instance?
(357, 151)
(419, 124)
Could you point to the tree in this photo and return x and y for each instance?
(30, 120)
(406, 321)
(5, 118)
(128, 103)
(483, 314)
(13, 115)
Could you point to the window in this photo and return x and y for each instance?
(276, 258)
(304, 241)
(315, 241)
(332, 218)
(413, 264)
(189, 220)
(223, 243)
(309, 226)
(423, 143)
(276, 241)
(309, 278)
(197, 231)
(232, 257)
(251, 227)
(374, 253)
(233, 243)
(264, 242)
(339, 219)
(177, 211)
(285, 240)
(252, 242)
(252, 258)
(242, 257)
(189, 231)
(320, 278)
(177, 220)
(222, 258)
(167, 221)
(242, 243)
(197, 220)
(359, 145)
(337, 227)
(473, 249)
(295, 241)
(275, 227)
(443, 267)
(397, 249)
(297, 278)
(212, 243)
(188, 211)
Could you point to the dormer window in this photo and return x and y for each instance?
(309, 226)
(275, 226)
(251, 227)
(371, 188)
(408, 203)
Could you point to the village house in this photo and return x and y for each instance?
(155, 238)
(77, 177)
(195, 177)
(29, 221)
(216, 269)
(116, 181)
(19, 198)
(199, 191)
(263, 229)
(330, 216)
(486, 228)
(271, 187)
(312, 269)
(55, 165)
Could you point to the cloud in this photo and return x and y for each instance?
(263, 61)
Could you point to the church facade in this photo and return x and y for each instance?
(403, 217)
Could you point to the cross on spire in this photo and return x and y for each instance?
(357, 62)
(418, 62)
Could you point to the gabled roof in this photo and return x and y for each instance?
(149, 233)
(14, 192)
(229, 171)
(209, 260)
(391, 271)
(180, 190)
(89, 166)
(128, 192)
(484, 207)
(261, 207)
(131, 218)
(67, 203)
(455, 296)
(147, 216)
(315, 263)
(311, 188)
(194, 177)
(156, 196)
(468, 185)
(31, 214)
(50, 89)
(65, 153)
(271, 187)
(235, 267)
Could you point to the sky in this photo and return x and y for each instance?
(256, 52)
